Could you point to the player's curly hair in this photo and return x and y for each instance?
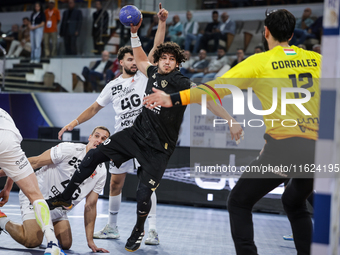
(123, 50)
(172, 48)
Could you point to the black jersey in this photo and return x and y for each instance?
(159, 127)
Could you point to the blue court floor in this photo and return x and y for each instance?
(183, 230)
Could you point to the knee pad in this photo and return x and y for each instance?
(143, 199)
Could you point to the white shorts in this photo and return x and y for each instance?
(27, 211)
(12, 158)
(126, 167)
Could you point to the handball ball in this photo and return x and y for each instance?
(130, 14)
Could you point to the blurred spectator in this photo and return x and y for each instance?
(317, 48)
(175, 31)
(305, 21)
(198, 66)
(150, 35)
(70, 28)
(38, 20)
(11, 35)
(101, 27)
(51, 29)
(302, 46)
(239, 57)
(188, 62)
(214, 66)
(258, 49)
(217, 30)
(114, 71)
(98, 71)
(24, 41)
(190, 32)
(301, 26)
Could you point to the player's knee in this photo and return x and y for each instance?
(66, 245)
(116, 185)
(235, 201)
(32, 241)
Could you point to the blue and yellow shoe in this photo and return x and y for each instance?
(288, 237)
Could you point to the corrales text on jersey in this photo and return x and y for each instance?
(294, 63)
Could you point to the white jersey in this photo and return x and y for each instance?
(66, 158)
(126, 96)
(7, 123)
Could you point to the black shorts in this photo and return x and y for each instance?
(289, 155)
(125, 145)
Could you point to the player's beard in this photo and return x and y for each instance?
(129, 72)
(265, 43)
(161, 71)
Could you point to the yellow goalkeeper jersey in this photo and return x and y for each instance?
(278, 68)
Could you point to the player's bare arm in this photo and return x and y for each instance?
(83, 117)
(41, 160)
(90, 214)
(142, 60)
(160, 33)
(236, 130)
(4, 194)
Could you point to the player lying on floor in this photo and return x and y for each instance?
(57, 167)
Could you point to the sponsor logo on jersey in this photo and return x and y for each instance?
(154, 76)
(93, 174)
(126, 123)
(80, 149)
(152, 182)
(164, 83)
(155, 84)
(131, 114)
(107, 141)
(125, 91)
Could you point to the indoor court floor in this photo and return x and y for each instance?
(182, 230)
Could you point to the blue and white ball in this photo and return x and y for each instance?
(130, 14)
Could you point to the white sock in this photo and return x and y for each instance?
(43, 217)
(152, 214)
(114, 205)
(3, 222)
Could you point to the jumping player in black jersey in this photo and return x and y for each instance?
(152, 138)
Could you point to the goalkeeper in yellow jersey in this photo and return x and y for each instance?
(285, 79)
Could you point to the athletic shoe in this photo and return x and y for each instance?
(152, 238)
(288, 237)
(134, 241)
(53, 249)
(107, 233)
(58, 201)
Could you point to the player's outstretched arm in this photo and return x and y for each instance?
(160, 33)
(90, 215)
(41, 160)
(236, 130)
(83, 117)
(138, 52)
(4, 194)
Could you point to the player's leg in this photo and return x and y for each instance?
(143, 208)
(116, 185)
(28, 234)
(16, 166)
(63, 232)
(152, 238)
(242, 198)
(29, 186)
(294, 202)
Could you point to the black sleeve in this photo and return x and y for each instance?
(151, 70)
(181, 81)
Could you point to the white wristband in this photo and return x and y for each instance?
(135, 42)
(134, 35)
(77, 121)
